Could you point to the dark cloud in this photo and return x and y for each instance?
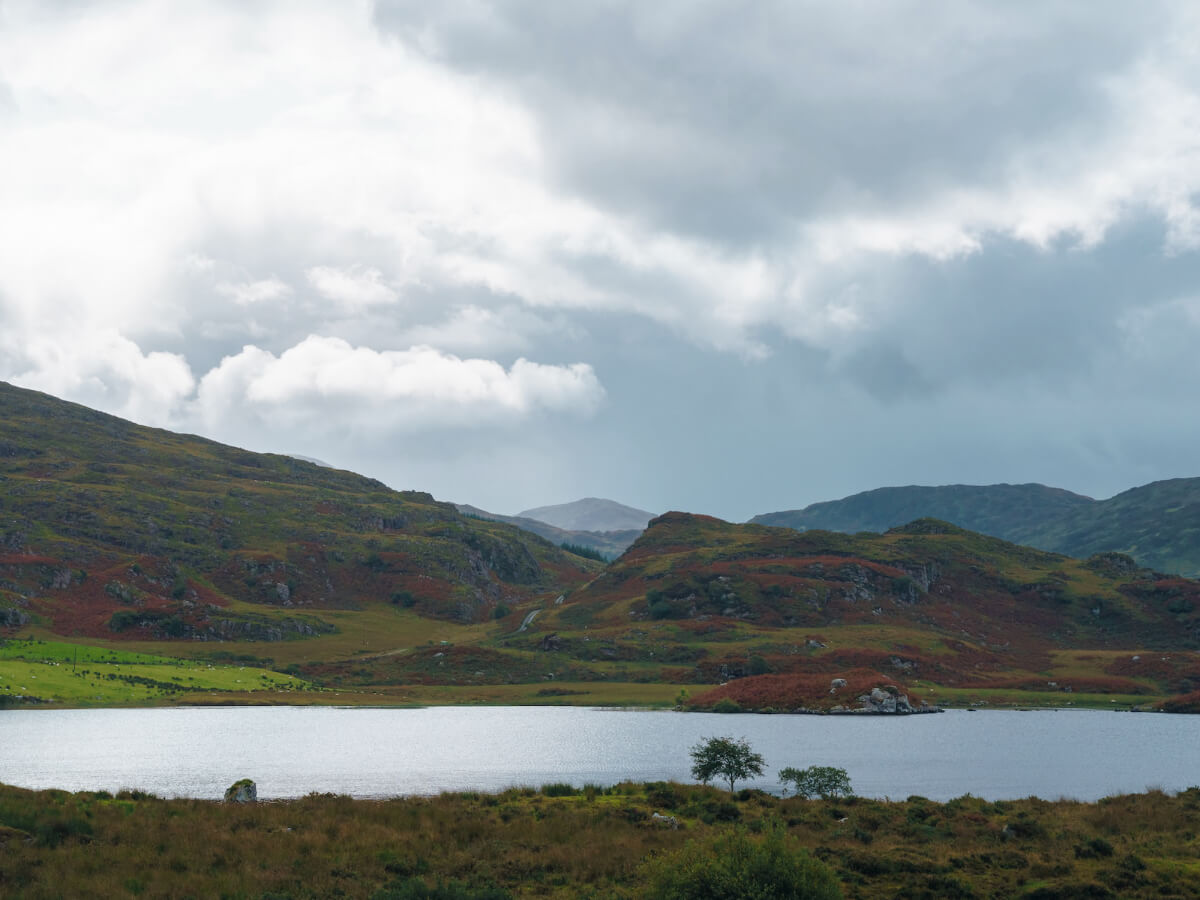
(735, 121)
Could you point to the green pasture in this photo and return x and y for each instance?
(77, 675)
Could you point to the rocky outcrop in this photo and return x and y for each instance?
(13, 618)
(881, 701)
(243, 791)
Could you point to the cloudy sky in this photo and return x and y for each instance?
(727, 257)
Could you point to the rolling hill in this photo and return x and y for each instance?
(109, 530)
(996, 509)
(698, 599)
(141, 550)
(1157, 524)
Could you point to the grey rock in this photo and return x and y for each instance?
(243, 791)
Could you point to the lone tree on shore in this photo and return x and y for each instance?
(825, 782)
(730, 759)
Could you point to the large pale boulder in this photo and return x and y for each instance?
(244, 791)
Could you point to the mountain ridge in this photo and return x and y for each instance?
(590, 514)
(1158, 524)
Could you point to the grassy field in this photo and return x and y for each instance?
(79, 675)
(599, 842)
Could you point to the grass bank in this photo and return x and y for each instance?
(557, 841)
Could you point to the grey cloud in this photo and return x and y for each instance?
(1015, 315)
(734, 121)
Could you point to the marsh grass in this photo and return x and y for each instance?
(597, 841)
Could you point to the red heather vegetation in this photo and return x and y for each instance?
(788, 692)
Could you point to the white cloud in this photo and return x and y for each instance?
(355, 288)
(474, 329)
(106, 371)
(327, 383)
(248, 293)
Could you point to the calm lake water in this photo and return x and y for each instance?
(292, 751)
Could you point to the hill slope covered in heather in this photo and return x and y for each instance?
(109, 530)
(703, 600)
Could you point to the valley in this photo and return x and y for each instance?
(326, 587)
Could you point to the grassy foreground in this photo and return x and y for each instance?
(598, 842)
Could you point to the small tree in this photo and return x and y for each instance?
(825, 782)
(723, 756)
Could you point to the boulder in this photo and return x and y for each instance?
(836, 685)
(243, 791)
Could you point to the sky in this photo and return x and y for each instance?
(724, 257)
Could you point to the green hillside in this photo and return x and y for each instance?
(930, 607)
(997, 509)
(1157, 524)
(111, 531)
(171, 569)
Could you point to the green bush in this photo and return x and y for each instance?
(738, 867)
(1096, 848)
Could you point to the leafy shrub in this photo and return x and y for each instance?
(735, 866)
(663, 795)
(1096, 848)
(55, 831)
(1025, 827)
(559, 789)
(123, 618)
(725, 705)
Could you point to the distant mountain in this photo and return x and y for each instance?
(1157, 524)
(996, 509)
(590, 514)
(609, 544)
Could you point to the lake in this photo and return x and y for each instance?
(292, 751)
